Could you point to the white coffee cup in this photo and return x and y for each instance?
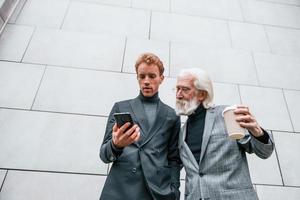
(235, 131)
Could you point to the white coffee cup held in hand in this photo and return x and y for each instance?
(235, 131)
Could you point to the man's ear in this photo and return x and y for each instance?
(162, 77)
(202, 95)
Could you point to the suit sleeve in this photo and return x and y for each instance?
(253, 145)
(109, 153)
(174, 158)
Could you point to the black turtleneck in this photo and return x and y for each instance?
(150, 107)
(195, 129)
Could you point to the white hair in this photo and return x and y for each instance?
(202, 82)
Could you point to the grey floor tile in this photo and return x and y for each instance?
(182, 174)
(277, 193)
(268, 106)
(224, 9)
(223, 65)
(107, 19)
(226, 94)
(182, 28)
(157, 5)
(287, 145)
(293, 99)
(66, 48)
(278, 71)
(48, 186)
(263, 12)
(249, 37)
(19, 84)
(45, 13)
(284, 41)
(136, 46)
(182, 190)
(290, 2)
(84, 91)
(2, 176)
(14, 41)
(51, 142)
(167, 92)
(126, 3)
(264, 171)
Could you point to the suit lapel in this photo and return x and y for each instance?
(183, 145)
(209, 122)
(161, 117)
(139, 115)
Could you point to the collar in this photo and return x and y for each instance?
(153, 99)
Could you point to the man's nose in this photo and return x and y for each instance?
(179, 94)
(147, 80)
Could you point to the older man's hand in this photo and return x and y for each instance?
(248, 121)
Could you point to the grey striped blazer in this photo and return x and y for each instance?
(222, 172)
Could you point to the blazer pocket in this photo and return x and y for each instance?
(163, 176)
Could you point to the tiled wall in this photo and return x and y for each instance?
(63, 63)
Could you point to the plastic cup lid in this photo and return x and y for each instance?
(233, 107)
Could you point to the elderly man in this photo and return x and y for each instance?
(146, 162)
(216, 166)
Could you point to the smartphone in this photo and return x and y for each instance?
(123, 118)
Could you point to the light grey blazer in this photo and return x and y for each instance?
(222, 172)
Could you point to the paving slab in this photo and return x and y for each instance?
(193, 29)
(48, 186)
(287, 145)
(182, 190)
(258, 168)
(277, 193)
(167, 92)
(223, 65)
(262, 103)
(107, 19)
(126, 3)
(226, 94)
(74, 49)
(136, 46)
(290, 2)
(155, 5)
(2, 175)
(51, 142)
(43, 13)
(269, 13)
(249, 37)
(292, 100)
(224, 9)
(84, 91)
(19, 84)
(284, 41)
(14, 41)
(278, 71)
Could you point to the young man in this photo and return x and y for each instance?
(145, 157)
(216, 166)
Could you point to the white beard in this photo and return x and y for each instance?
(184, 107)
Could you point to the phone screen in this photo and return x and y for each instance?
(123, 118)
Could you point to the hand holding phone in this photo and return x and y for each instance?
(123, 118)
(120, 139)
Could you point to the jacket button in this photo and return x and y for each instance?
(201, 174)
(133, 170)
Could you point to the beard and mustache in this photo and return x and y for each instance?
(186, 107)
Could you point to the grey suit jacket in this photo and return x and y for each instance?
(151, 163)
(222, 172)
